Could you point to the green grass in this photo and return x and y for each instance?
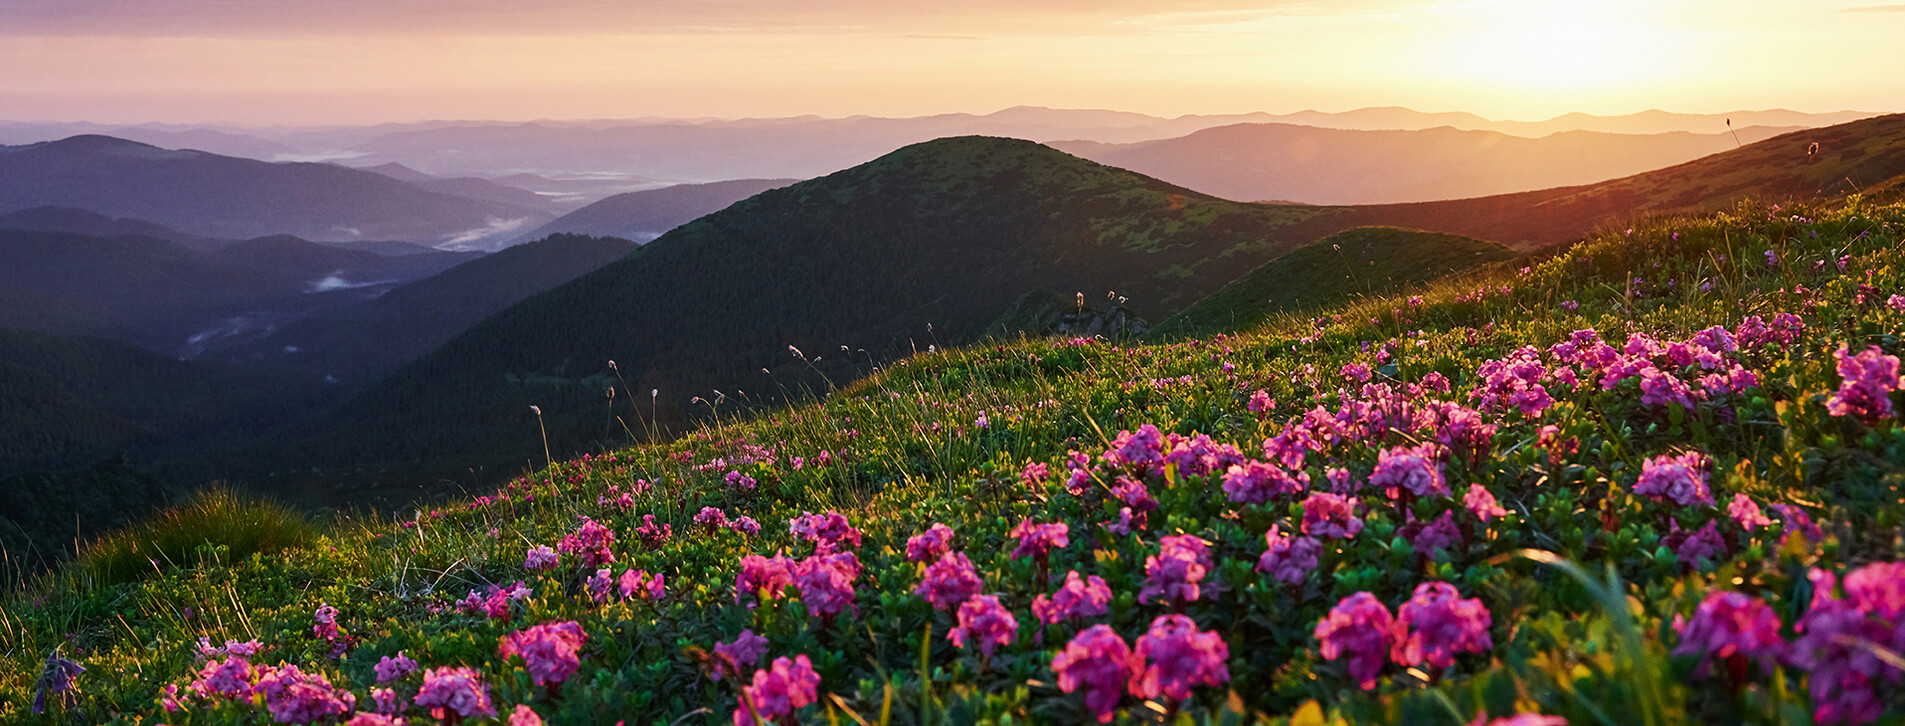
(1588, 641)
(216, 526)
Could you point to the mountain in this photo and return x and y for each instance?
(164, 297)
(1361, 262)
(472, 188)
(70, 401)
(94, 224)
(1861, 156)
(222, 196)
(644, 215)
(925, 245)
(354, 345)
(1310, 165)
(953, 234)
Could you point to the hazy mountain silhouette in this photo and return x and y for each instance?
(221, 196)
(1253, 162)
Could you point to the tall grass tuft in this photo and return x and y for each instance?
(216, 523)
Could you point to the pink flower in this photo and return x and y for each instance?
(651, 535)
(1728, 624)
(733, 658)
(1844, 676)
(826, 582)
(985, 620)
(231, 678)
(638, 583)
(1330, 515)
(1482, 502)
(949, 581)
(1413, 468)
(386, 701)
(929, 545)
(1174, 657)
(549, 651)
(1261, 403)
(737, 480)
(1289, 558)
(1431, 537)
(326, 619)
(1746, 513)
(829, 532)
(762, 577)
(1678, 479)
(293, 696)
(712, 518)
(1255, 482)
(745, 525)
(1869, 380)
(1879, 589)
(1100, 662)
(600, 586)
(1035, 475)
(1077, 599)
(1360, 627)
(457, 690)
(778, 691)
(540, 558)
(375, 719)
(1038, 539)
(389, 669)
(1143, 449)
(1695, 545)
(590, 542)
(523, 716)
(1436, 623)
(1174, 572)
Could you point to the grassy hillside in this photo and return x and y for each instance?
(1586, 412)
(645, 215)
(1344, 266)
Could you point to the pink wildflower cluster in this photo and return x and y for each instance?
(1359, 627)
(763, 577)
(495, 602)
(1036, 540)
(1692, 546)
(540, 557)
(1679, 479)
(1436, 623)
(1289, 558)
(1755, 332)
(550, 651)
(652, 535)
(1035, 475)
(455, 690)
(1098, 661)
(640, 584)
(1175, 656)
(826, 583)
(829, 532)
(1869, 378)
(1173, 574)
(1416, 469)
(731, 659)
(950, 581)
(1255, 482)
(247, 649)
(293, 696)
(984, 620)
(1482, 503)
(1078, 598)
(392, 668)
(711, 518)
(1520, 719)
(1431, 537)
(590, 542)
(1331, 515)
(745, 525)
(1746, 513)
(1731, 625)
(1515, 382)
(524, 716)
(1847, 679)
(778, 691)
(325, 627)
(929, 545)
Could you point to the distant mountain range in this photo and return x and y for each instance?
(1311, 165)
(221, 196)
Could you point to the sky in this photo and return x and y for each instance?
(302, 62)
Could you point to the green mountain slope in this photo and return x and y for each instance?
(942, 234)
(644, 215)
(1358, 262)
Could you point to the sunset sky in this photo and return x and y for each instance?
(359, 61)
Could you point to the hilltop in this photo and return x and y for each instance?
(644, 215)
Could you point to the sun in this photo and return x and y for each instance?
(1553, 45)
